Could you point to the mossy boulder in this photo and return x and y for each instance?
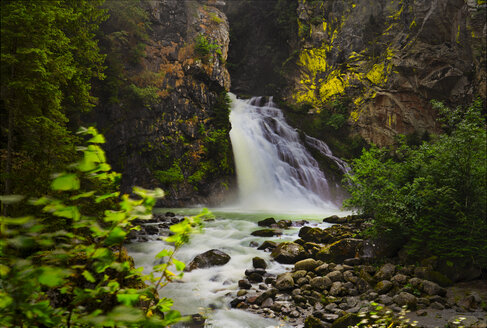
(288, 253)
(348, 320)
(340, 250)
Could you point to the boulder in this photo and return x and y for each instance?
(266, 233)
(383, 286)
(340, 250)
(213, 257)
(259, 263)
(244, 284)
(386, 272)
(313, 322)
(322, 269)
(432, 288)
(267, 245)
(335, 276)
(266, 222)
(336, 288)
(320, 283)
(316, 235)
(284, 224)
(334, 219)
(407, 299)
(399, 279)
(306, 264)
(285, 281)
(288, 253)
(348, 320)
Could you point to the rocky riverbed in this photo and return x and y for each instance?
(332, 277)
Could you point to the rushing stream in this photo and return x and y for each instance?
(277, 177)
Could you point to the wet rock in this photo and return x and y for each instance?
(259, 263)
(340, 250)
(170, 214)
(350, 277)
(386, 272)
(421, 313)
(255, 277)
(307, 265)
(244, 284)
(284, 281)
(266, 233)
(151, 229)
(437, 306)
(268, 302)
(299, 274)
(266, 222)
(288, 253)
(470, 302)
(383, 286)
(362, 285)
(213, 257)
(267, 245)
(407, 299)
(334, 219)
(284, 224)
(270, 293)
(236, 301)
(241, 292)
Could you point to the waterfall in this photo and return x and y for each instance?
(274, 170)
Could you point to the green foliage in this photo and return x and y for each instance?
(432, 195)
(171, 176)
(78, 274)
(204, 48)
(382, 317)
(147, 96)
(48, 58)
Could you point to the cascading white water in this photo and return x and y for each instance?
(274, 170)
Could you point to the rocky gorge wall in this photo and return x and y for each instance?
(168, 126)
(385, 59)
(391, 58)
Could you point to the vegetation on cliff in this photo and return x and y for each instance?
(431, 195)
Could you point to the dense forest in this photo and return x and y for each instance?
(89, 88)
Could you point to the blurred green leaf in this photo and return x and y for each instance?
(66, 181)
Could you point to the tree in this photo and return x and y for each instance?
(432, 195)
(48, 58)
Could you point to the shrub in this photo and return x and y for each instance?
(78, 274)
(434, 194)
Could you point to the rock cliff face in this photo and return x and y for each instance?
(172, 130)
(386, 58)
(391, 58)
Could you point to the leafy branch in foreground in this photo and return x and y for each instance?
(69, 268)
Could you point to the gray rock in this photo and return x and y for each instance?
(336, 288)
(307, 265)
(320, 283)
(322, 269)
(349, 276)
(299, 274)
(399, 279)
(404, 298)
(384, 286)
(437, 306)
(385, 299)
(266, 233)
(386, 272)
(335, 276)
(268, 302)
(432, 288)
(284, 281)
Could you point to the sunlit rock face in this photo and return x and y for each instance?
(184, 64)
(391, 58)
